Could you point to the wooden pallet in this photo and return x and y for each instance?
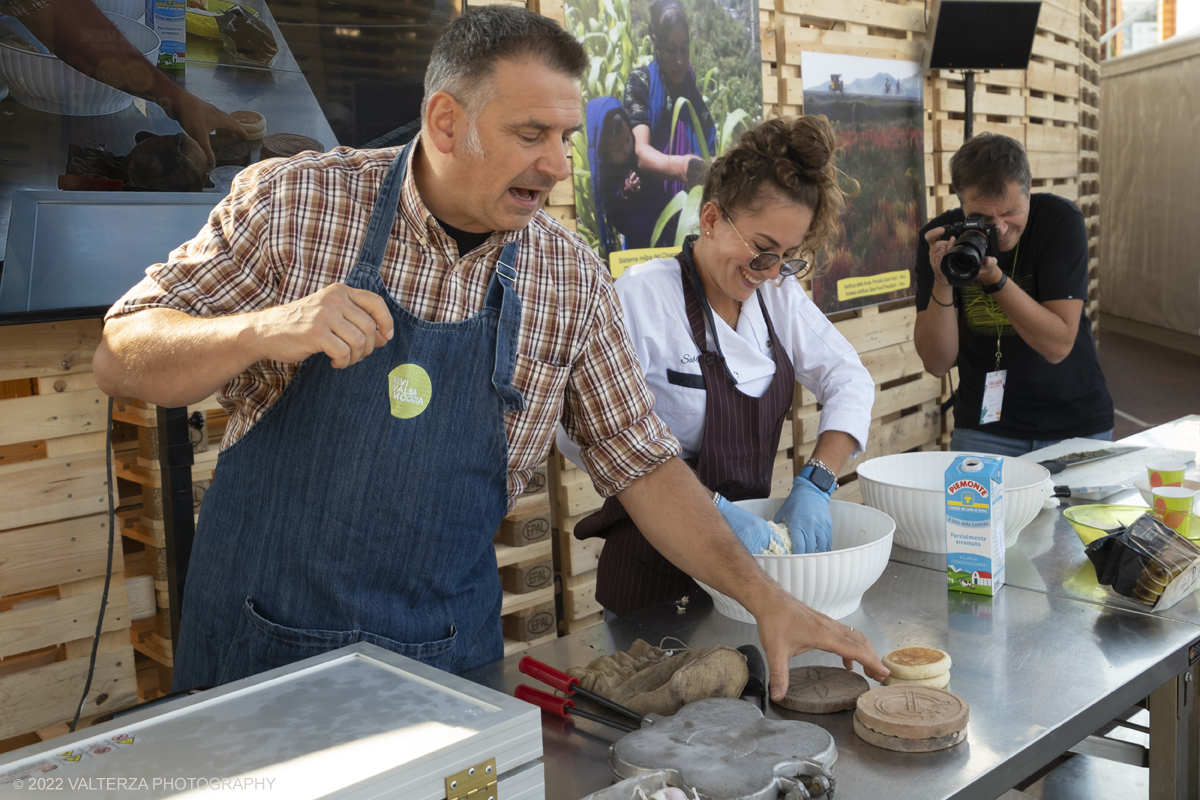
(525, 558)
(142, 526)
(54, 535)
(906, 414)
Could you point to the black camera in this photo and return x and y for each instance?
(975, 240)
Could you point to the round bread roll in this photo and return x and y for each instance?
(822, 690)
(252, 122)
(915, 663)
(937, 681)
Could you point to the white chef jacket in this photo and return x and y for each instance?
(825, 363)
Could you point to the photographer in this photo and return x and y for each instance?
(1029, 375)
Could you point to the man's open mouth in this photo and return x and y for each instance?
(530, 197)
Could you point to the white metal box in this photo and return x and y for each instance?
(360, 722)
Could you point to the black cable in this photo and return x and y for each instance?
(112, 528)
(940, 303)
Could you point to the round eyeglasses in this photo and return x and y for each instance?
(761, 262)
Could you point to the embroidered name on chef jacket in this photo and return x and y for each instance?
(409, 391)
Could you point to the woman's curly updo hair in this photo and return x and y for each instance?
(792, 159)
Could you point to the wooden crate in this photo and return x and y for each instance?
(525, 557)
(572, 498)
(141, 523)
(1089, 150)
(906, 415)
(54, 534)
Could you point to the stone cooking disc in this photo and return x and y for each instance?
(906, 745)
(286, 145)
(822, 690)
(725, 750)
(913, 712)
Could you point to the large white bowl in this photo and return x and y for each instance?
(47, 84)
(134, 9)
(911, 489)
(834, 582)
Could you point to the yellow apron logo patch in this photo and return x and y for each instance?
(409, 391)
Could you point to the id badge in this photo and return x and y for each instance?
(993, 396)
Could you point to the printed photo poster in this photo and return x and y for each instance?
(875, 106)
(670, 86)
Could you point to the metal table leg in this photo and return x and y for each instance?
(1193, 749)
(1172, 710)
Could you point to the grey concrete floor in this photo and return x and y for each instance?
(1150, 384)
(1081, 777)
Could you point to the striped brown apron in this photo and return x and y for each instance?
(737, 458)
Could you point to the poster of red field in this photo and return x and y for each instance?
(875, 106)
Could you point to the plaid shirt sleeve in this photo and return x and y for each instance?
(609, 411)
(22, 8)
(226, 268)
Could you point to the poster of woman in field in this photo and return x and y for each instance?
(670, 86)
(876, 109)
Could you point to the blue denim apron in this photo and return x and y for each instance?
(362, 505)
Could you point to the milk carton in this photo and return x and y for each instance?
(168, 18)
(975, 525)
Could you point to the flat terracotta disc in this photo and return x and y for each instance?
(915, 663)
(913, 712)
(907, 745)
(286, 145)
(822, 690)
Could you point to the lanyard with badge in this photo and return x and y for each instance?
(993, 383)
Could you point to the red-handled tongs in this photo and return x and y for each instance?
(564, 707)
(570, 686)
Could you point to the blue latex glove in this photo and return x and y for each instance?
(752, 529)
(806, 514)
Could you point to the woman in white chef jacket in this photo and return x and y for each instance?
(724, 332)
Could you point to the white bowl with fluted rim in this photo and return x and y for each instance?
(911, 489)
(46, 83)
(134, 9)
(833, 582)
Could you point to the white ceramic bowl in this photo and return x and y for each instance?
(47, 84)
(834, 582)
(911, 489)
(134, 9)
(1143, 486)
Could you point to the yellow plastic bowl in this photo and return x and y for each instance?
(204, 23)
(1092, 522)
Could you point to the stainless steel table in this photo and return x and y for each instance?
(1041, 673)
(1049, 558)
(33, 144)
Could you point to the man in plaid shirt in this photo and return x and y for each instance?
(396, 335)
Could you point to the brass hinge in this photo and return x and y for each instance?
(477, 782)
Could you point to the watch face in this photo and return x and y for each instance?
(821, 479)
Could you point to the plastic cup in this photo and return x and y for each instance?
(1166, 473)
(1173, 505)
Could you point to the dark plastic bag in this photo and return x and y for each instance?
(1142, 560)
(246, 36)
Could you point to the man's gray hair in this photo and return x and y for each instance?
(465, 57)
(986, 164)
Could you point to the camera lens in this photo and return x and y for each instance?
(962, 261)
